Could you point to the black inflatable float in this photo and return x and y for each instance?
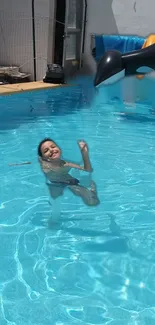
(114, 62)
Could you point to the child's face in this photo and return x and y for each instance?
(50, 150)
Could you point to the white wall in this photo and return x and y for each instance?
(134, 17)
(16, 34)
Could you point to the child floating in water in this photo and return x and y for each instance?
(57, 170)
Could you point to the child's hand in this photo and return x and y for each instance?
(83, 146)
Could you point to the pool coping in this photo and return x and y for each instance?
(10, 89)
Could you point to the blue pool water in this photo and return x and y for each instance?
(90, 265)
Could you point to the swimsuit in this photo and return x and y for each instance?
(70, 182)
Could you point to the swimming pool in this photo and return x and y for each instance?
(91, 265)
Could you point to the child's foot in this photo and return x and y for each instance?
(93, 191)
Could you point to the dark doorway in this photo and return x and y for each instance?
(59, 31)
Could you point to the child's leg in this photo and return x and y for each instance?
(89, 196)
(55, 192)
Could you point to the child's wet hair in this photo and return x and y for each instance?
(41, 143)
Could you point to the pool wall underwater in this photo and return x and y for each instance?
(131, 89)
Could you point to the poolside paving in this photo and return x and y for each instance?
(27, 86)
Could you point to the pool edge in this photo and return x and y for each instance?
(10, 89)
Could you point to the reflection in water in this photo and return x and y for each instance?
(135, 117)
(140, 118)
(117, 242)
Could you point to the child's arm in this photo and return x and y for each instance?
(85, 155)
(86, 160)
